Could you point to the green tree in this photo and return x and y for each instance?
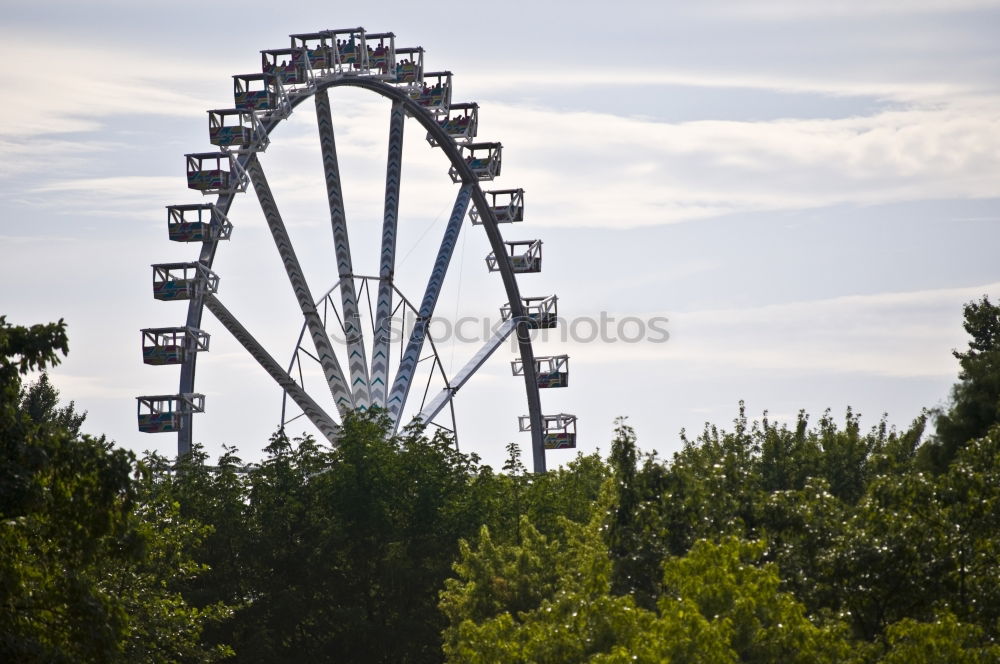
(544, 600)
(22, 350)
(944, 640)
(968, 496)
(551, 601)
(40, 402)
(162, 627)
(634, 525)
(805, 529)
(86, 566)
(62, 500)
(566, 492)
(739, 594)
(975, 399)
(333, 554)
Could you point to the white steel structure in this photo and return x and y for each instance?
(356, 376)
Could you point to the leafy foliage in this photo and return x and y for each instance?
(809, 541)
(86, 565)
(720, 607)
(975, 399)
(40, 402)
(324, 552)
(764, 543)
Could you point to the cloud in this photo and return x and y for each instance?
(491, 82)
(605, 170)
(110, 185)
(92, 84)
(581, 168)
(791, 10)
(899, 334)
(34, 239)
(125, 196)
(613, 171)
(45, 156)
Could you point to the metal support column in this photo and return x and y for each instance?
(316, 415)
(324, 350)
(383, 311)
(357, 361)
(408, 365)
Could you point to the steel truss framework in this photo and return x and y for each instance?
(320, 62)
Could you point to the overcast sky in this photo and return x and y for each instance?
(807, 190)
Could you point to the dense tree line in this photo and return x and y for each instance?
(91, 559)
(817, 541)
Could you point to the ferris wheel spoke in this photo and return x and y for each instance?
(408, 364)
(387, 261)
(310, 408)
(357, 360)
(444, 397)
(328, 360)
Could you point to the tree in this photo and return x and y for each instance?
(969, 499)
(22, 350)
(739, 594)
(975, 399)
(162, 627)
(86, 565)
(40, 402)
(635, 548)
(551, 601)
(62, 502)
(944, 640)
(542, 600)
(333, 554)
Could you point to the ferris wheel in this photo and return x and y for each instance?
(373, 364)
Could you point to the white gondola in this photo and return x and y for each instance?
(182, 281)
(348, 51)
(314, 47)
(381, 55)
(215, 173)
(541, 312)
(435, 94)
(290, 67)
(409, 67)
(162, 413)
(483, 158)
(461, 122)
(171, 345)
(523, 255)
(559, 430)
(550, 371)
(236, 130)
(200, 222)
(507, 206)
(263, 93)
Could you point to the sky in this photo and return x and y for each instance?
(806, 191)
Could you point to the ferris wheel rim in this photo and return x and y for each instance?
(488, 221)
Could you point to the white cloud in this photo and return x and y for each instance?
(91, 84)
(604, 170)
(111, 185)
(34, 155)
(902, 334)
(645, 172)
(790, 10)
(648, 173)
(490, 82)
(126, 196)
(33, 239)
